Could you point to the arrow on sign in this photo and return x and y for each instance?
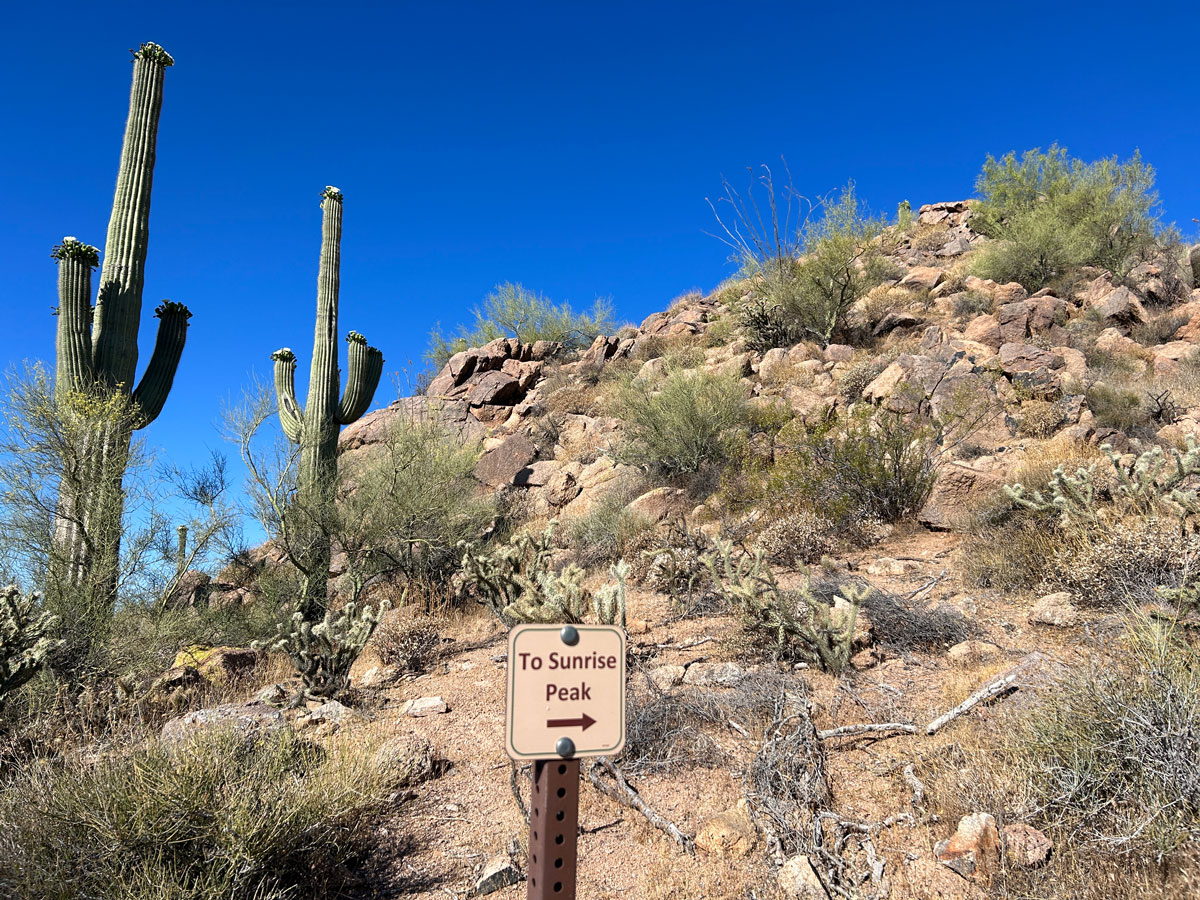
(585, 722)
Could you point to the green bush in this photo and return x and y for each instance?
(222, 819)
(864, 467)
(689, 421)
(511, 310)
(1118, 408)
(1051, 213)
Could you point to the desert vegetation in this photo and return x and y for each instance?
(900, 521)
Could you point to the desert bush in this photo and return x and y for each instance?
(797, 625)
(409, 644)
(862, 467)
(1051, 213)
(855, 379)
(795, 537)
(931, 238)
(970, 304)
(808, 262)
(1115, 407)
(683, 424)
(223, 818)
(324, 653)
(1039, 418)
(605, 532)
(1159, 330)
(672, 561)
(511, 310)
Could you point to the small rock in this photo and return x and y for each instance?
(246, 719)
(1025, 846)
(666, 677)
(1054, 609)
(498, 872)
(334, 713)
(927, 277)
(730, 833)
(722, 674)
(424, 706)
(973, 849)
(798, 880)
(636, 626)
(409, 758)
(973, 652)
(273, 695)
(377, 676)
(885, 565)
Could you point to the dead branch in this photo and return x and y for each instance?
(624, 793)
(868, 728)
(516, 790)
(926, 586)
(987, 692)
(914, 783)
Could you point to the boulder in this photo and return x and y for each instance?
(1013, 321)
(1120, 305)
(730, 833)
(927, 277)
(894, 320)
(718, 674)
(660, 503)
(424, 706)
(498, 873)
(245, 719)
(973, 849)
(494, 389)
(667, 677)
(409, 758)
(984, 330)
(505, 463)
(1026, 358)
(1054, 609)
(190, 591)
(959, 486)
(798, 880)
(1025, 846)
(1112, 340)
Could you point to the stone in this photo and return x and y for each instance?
(839, 353)
(927, 277)
(660, 504)
(498, 872)
(973, 849)
(1013, 321)
(538, 474)
(378, 676)
(959, 485)
(409, 758)
(774, 363)
(1054, 609)
(721, 674)
(424, 706)
(333, 712)
(798, 880)
(1025, 846)
(984, 330)
(1015, 358)
(667, 677)
(1112, 340)
(505, 463)
(894, 320)
(246, 719)
(174, 679)
(1121, 305)
(730, 833)
(494, 389)
(191, 590)
(973, 652)
(1009, 292)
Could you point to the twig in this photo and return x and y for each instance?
(671, 645)
(854, 730)
(621, 791)
(987, 692)
(516, 790)
(914, 783)
(738, 728)
(926, 586)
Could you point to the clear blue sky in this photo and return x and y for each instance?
(565, 145)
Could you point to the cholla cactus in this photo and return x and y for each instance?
(24, 644)
(1152, 483)
(323, 653)
(800, 623)
(517, 584)
(608, 603)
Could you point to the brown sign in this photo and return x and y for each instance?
(566, 691)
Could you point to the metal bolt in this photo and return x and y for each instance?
(569, 635)
(565, 747)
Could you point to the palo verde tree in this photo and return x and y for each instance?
(97, 355)
(315, 427)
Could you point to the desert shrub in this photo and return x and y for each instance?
(683, 424)
(795, 537)
(511, 310)
(1051, 213)
(970, 304)
(796, 625)
(855, 379)
(410, 644)
(671, 560)
(223, 818)
(324, 653)
(862, 467)
(808, 261)
(1111, 757)
(932, 238)
(1039, 418)
(1115, 407)
(1159, 330)
(604, 533)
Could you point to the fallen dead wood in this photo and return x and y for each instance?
(868, 728)
(624, 793)
(987, 692)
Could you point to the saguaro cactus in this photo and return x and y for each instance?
(315, 427)
(97, 353)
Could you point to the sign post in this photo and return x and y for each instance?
(566, 700)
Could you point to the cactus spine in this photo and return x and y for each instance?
(97, 353)
(315, 427)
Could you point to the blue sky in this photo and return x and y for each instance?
(568, 146)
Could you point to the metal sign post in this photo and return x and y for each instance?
(566, 699)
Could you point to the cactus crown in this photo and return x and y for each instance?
(152, 52)
(73, 248)
(331, 193)
(171, 308)
(283, 354)
(355, 338)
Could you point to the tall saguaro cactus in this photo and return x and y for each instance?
(315, 427)
(97, 354)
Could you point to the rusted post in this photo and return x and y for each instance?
(553, 829)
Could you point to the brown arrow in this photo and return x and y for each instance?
(585, 722)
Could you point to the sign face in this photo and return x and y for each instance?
(566, 690)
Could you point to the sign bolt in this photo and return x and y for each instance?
(569, 635)
(565, 746)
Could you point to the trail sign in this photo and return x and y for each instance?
(566, 691)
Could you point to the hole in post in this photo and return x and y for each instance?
(562, 770)
(558, 863)
(558, 839)
(557, 886)
(559, 815)
(562, 792)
